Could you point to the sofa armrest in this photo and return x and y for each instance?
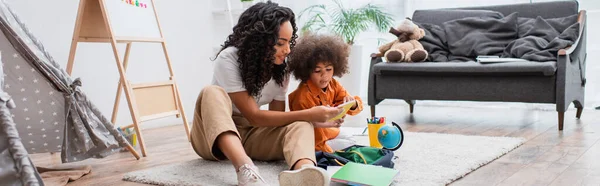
(581, 19)
(576, 53)
(375, 58)
(570, 74)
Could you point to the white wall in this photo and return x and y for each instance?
(193, 30)
(185, 24)
(592, 90)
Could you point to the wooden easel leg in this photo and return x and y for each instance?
(131, 103)
(75, 38)
(132, 150)
(118, 97)
(72, 57)
(184, 118)
(137, 128)
(177, 97)
(133, 111)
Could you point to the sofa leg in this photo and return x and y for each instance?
(579, 111)
(411, 104)
(579, 107)
(561, 120)
(372, 110)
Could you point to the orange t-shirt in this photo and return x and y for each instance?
(308, 95)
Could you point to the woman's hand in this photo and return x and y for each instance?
(336, 123)
(350, 98)
(324, 113)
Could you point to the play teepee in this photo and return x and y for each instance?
(52, 113)
(16, 167)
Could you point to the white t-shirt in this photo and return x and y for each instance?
(227, 75)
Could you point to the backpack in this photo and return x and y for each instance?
(356, 154)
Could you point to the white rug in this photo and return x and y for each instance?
(424, 159)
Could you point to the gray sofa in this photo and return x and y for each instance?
(560, 81)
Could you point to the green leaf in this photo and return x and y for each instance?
(382, 20)
(315, 21)
(346, 22)
(311, 9)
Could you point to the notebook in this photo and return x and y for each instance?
(497, 59)
(363, 174)
(346, 106)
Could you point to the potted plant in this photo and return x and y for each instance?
(347, 23)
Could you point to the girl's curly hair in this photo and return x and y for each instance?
(255, 36)
(318, 48)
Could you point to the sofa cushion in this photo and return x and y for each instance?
(466, 68)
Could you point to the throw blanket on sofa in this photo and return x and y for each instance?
(533, 39)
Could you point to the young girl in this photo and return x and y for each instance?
(314, 61)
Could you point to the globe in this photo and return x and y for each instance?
(389, 136)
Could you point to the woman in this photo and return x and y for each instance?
(250, 71)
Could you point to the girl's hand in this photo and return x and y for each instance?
(350, 98)
(324, 113)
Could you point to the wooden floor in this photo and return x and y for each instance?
(549, 157)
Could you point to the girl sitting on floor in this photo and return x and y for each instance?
(315, 60)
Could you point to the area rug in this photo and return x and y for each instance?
(424, 159)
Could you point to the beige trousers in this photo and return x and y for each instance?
(213, 117)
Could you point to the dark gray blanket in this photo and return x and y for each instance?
(464, 39)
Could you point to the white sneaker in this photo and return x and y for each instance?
(307, 175)
(248, 175)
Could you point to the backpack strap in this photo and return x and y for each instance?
(357, 153)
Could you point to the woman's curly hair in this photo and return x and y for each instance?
(316, 48)
(255, 36)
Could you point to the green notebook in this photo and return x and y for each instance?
(363, 174)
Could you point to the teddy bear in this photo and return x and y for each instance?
(406, 48)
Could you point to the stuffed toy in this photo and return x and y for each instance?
(407, 47)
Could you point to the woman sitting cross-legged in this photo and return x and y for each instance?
(250, 71)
